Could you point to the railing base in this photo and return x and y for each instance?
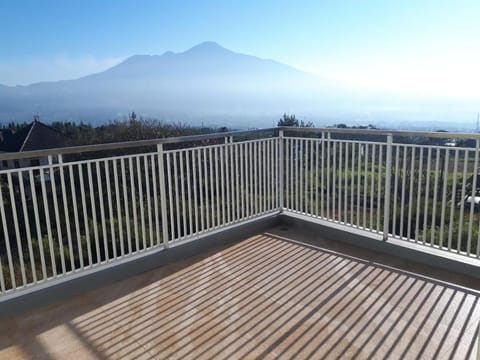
(63, 288)
(399, 248)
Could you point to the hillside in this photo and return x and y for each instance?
(204, 81)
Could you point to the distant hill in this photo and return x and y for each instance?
(214, 86)
(206, 82)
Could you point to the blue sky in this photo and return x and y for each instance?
(425, 47)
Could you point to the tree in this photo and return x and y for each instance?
(291, 120)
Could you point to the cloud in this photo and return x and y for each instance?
(59, 67)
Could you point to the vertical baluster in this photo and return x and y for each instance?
(162, 193)
(379, 187)
(182, 183)
(345, 194)
(311, 169)
(94, 212)
(244, 203)
(156, 212)
(255, 179)
(306, 176)
(359, 163)
(76, 217)
(206, 179)
(404, 176)
(56, 213)
(176, 192)
(264, 191)
(395, 189)
(372, 189)
(133, 197)
(462, 204)
(118, 208)
(365, 186)
(278, 174)
(224, 183)
(2, 279)
(212, 194)
(126, 205)
(388, 178)
(318, 192)
(249, 180)
(453, 200)
(340, 178)
(48, 223)
(268, 174)
(138, 161)
(27, 229)
(237, 181)
(444, 197)
(329, 143)
(7, 242)
(410, 197)
(149, 200)
(195, 168)
(352, 187)
(299, 177)
(200, 190)
(102, 212)
(334, 181)
(231, 182)
(133, 194)
(189, 192)
(16, 227)
(110, 208)
(474, 193)
(435, 193)
(37, 224)
(293, 184)
(170, 196)
(322, 177)
(217, 183)
(66, 212)
(427, 196)
(419, 195)
(295, 181)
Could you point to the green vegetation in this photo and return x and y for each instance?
(291, 120)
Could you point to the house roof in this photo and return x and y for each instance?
(35, 136)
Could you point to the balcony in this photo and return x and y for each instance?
(294, 243)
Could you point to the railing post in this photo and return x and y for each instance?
(163, 196)
(388, 170)
(281, 170)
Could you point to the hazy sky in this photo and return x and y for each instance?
(426, 47)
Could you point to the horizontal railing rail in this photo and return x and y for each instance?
(211, 136)
(380, 132)
(131, 144)
(72, 215)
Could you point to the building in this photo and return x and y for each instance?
(35, 136)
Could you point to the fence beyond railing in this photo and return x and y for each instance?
(74, 213)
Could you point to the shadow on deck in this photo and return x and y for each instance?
(272, 295)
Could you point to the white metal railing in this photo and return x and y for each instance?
(425, 194)
(72, 216)
(75, 214)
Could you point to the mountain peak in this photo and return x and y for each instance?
(207, 47)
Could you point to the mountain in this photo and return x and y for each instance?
(205, 82)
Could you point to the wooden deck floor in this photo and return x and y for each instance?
(268, 296)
